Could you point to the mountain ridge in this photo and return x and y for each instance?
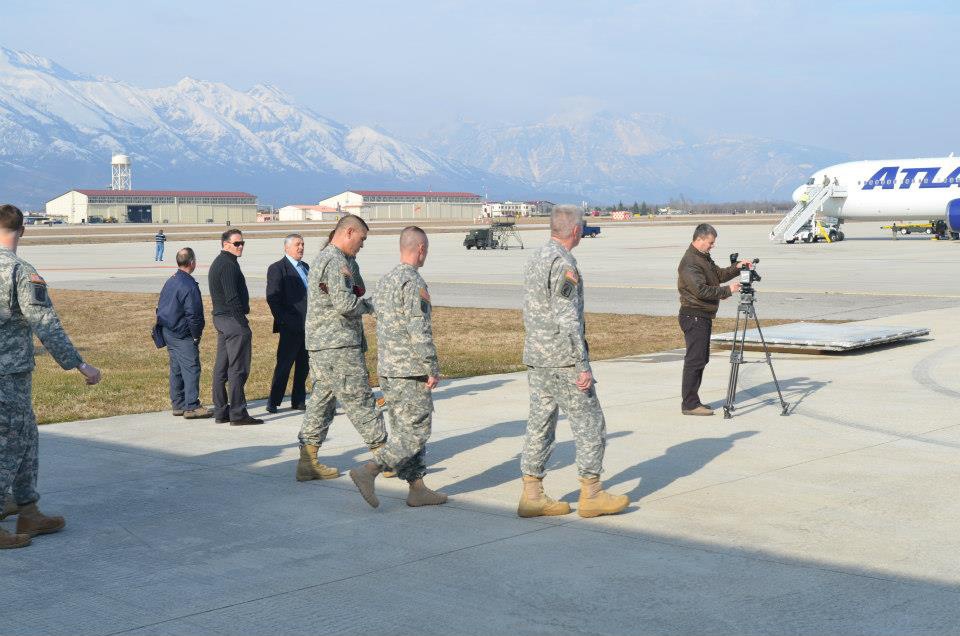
(58, 129)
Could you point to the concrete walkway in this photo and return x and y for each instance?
(841, 518)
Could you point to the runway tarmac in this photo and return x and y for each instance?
(630, 269)
(839, 519)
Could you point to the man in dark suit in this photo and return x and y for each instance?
(287, 297)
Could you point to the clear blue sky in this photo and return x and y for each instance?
(873, 79)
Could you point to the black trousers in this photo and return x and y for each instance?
(234, 340)
(696, 335)
(291, 353)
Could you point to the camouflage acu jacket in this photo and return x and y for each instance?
(404, 332)
(553, 310)
(334, 311)
(24, 307)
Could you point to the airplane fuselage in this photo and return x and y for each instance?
(892, 190)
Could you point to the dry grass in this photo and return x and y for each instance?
(112, 331)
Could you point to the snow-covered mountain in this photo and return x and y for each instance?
(58, 130)
(608, 156)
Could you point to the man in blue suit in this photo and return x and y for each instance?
(180, 317)
(287, 297)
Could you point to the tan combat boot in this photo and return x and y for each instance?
(388, 474)
(9, 541)
(595, 501)
(309, 468)
(420, 495)
(9, 508)
(535, 503)
(33, 522)
(364, 478)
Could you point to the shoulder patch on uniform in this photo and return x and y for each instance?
(424, 300)
(571, 275)
(566, 290)
(37, 279)
(345, 270)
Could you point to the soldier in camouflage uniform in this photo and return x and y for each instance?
(408, 369)
(558, 360)
(25, 309)
(336, 344)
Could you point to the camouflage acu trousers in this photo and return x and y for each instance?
(552, 389)
(410, 405)
(18, 438)
(341, 374)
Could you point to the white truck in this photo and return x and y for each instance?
(822, 229)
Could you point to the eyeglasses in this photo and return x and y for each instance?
(238, 243)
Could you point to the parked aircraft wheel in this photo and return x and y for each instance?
(833, 235)
(791, 241)
(929, 230)
(841, 235)
(904, 231)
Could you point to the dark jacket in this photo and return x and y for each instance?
(180, 308)
(287, 296)
(228, 287)
(698, 281)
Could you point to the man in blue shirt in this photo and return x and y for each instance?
(180, 316)
(287, 297)
(161, 239)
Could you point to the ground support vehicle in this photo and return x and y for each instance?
(591, 231)
(822, 230)
(936, 229)
(500, 235)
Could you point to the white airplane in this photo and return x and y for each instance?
(888, 190)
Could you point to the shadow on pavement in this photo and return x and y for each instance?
(677, 462)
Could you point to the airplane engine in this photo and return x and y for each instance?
(953, 215)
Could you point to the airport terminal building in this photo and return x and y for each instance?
(154, 206)
(378, 205)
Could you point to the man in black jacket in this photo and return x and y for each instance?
(180, 317)
(699, 283)
(287, 297)
(231, 304)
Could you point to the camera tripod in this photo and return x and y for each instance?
(746, 310)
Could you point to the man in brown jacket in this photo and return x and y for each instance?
(699, 283)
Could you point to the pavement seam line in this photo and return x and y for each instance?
(333, 581)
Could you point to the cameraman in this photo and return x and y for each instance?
(699, 283)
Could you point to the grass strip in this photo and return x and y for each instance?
(112, 331)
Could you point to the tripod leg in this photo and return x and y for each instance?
(736, 356)
(784, 406)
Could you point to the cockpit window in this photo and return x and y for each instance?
(810, 181)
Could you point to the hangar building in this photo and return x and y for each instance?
(308, 213)
(377, 205)
(154, 206)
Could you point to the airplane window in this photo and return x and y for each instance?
(810, 181)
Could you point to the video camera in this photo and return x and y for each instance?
(748, 273)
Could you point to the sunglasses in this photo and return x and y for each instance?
(238, 243)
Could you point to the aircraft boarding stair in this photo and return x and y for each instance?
(804, 212)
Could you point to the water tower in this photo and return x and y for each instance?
(120, 169)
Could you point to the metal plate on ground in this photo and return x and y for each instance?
(808, 336)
